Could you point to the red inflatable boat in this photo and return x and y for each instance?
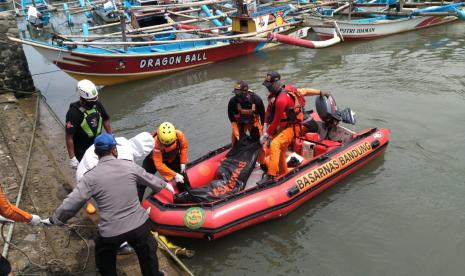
(331, 162)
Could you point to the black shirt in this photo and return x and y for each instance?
(74, 118)
(246, 103)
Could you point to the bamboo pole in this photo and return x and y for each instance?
(350, 9)
(190, 10)
(103, 26)
(164, 26)
(81, 11)
(341, 8)
(149, 34)
(184, 15)
(122, 18)
(232, 37)
(403, 13)
(161, 26)
(427, 4)
(174, 6)
(183, 11)
(76, 8)
(194, 17)
(14, 5)
(74, 2)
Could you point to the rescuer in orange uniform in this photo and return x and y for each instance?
(13, 213)
(283, 120)
(169, 155)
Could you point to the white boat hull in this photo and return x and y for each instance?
(370, 30)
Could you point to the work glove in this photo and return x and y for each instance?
(263, 138)
(183, 168)
(35, 220)
(325, 93)
(169, 187)
(179, 178)
(73, 162)
(47, 222)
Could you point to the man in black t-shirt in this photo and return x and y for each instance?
(246, 112)
(84, 121)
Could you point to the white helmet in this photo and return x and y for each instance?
(87, 90)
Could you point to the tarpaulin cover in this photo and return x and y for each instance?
(232, 174)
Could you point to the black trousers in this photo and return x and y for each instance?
(149, 166)
(5, 267)
(140, 239)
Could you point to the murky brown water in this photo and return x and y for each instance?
(402, 214)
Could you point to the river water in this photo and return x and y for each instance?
(402, 214)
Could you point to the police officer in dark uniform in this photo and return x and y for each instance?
(84, 121)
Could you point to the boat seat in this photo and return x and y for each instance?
(328, 145)
(321, 146)
(312, 137)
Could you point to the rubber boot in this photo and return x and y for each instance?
(266, 181)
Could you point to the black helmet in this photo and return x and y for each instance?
(240, 87)
(270, 78)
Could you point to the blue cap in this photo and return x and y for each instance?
(104, 142)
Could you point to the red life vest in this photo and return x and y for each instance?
(294, 114)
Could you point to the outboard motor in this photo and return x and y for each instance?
(327, 109)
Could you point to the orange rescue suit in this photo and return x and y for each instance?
(285, 126)
(12, 212)
(167, 154)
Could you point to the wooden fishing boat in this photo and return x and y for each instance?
(117, 65)
(385, 24)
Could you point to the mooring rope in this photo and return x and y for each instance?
(71, 227)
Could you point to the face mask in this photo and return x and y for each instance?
(275, 88)
(244, 95)
(89, 105)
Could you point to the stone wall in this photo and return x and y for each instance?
(14, 71)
